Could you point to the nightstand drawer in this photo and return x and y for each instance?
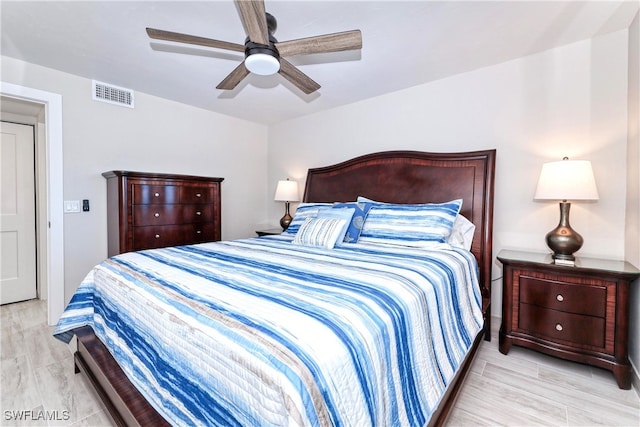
(563, 296)
(562, 327)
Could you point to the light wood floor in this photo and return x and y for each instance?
(522, 389)
(526, 388)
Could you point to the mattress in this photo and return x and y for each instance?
(264, 332)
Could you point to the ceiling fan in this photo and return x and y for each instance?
(263, 53)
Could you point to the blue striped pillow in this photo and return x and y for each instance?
(304, 211)
(323, 232)
(419, 225)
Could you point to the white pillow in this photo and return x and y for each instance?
(321, 232)
(462, 233)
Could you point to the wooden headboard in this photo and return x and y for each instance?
(419, 177)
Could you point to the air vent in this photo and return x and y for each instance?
(112, 94)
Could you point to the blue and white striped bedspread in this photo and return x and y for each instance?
(261, 332)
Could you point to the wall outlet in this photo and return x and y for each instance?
(85, 205)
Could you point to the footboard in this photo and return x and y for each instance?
(124, 402)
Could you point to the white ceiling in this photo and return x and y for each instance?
(405, 43)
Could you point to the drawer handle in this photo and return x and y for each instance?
(558, 327)
(559, 297)
(157, 215)
(157, 236)
(198, 213)
(198, 195)
(157, 194)
(199, 232)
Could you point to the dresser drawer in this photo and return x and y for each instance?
(196, 194)
(172, 235)
(145, 194)
(157, 214)
(171, 214)
(199, 233)
(562, 327)
(195, 214)
(563, 296)
(156, 236)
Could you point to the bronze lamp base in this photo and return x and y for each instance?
(563, 240)
(286, 218)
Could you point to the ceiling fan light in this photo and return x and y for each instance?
(262, 64)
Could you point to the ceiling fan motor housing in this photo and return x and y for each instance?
(253, 48)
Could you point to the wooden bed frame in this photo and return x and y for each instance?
(391, 176)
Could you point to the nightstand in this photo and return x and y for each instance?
(578, 313)
(269, 232)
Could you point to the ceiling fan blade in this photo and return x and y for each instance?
(254, 19)
(335, 42)
(297, 77)
(235, 77)
(186, 38)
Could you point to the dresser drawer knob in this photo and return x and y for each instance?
(558, 327)
(198, 195)
(198, 213)
(559, 297)
(199, 232)
(157, 236)
(157, 214)
(157, 194)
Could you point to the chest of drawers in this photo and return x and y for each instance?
(151, 210)
(577, 313)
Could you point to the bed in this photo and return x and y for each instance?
(307, 335)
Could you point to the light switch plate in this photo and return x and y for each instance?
(71, 206)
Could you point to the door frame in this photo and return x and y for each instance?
(52, 103)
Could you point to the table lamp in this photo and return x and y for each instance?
(566, 180)
(286, 191)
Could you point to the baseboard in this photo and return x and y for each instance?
(635, 379)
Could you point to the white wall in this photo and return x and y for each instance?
(157, 136)
(632, 247)
(569, 101)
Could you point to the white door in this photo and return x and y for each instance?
(17, 214)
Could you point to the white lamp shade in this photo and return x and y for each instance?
(287, 191)
(567, 180)
(262, 64)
